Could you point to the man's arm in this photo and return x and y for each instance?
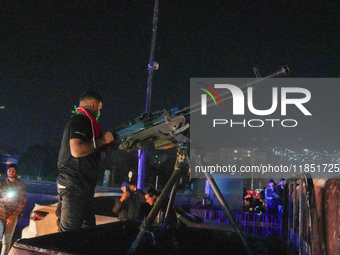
(119, 203)
(275, 194)
(267, 196)
(80, 148)
(117, 207)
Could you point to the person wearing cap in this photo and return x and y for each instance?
(129, 204)
(78, 163)
(12, 201)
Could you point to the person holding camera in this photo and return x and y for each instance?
(12, 201)
(129, 204)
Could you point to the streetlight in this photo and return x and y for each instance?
(130, 175)
(151, 67)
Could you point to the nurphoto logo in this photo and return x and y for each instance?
(204, 97)
(288, 96)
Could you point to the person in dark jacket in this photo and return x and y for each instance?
(279, 190)
(129, 204)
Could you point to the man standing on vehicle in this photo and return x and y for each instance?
(78, 162)
(12, 201)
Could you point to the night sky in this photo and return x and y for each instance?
(52, 51)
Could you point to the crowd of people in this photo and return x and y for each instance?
(134, 203)
(274, 197)
(269, 200)
(82, 146)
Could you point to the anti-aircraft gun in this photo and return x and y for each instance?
(166, 130)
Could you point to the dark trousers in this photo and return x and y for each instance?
(272, 208)
(76, 206)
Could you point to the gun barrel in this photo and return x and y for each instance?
(284, 71)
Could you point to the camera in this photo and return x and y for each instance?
(126, 189)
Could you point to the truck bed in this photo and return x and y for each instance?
(117, 237)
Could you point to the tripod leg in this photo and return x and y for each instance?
(197, 157)
(228, 211)
(158, 205)
(170, 203)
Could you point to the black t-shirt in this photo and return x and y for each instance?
(78, 172)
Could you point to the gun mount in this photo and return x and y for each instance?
(164, 128)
